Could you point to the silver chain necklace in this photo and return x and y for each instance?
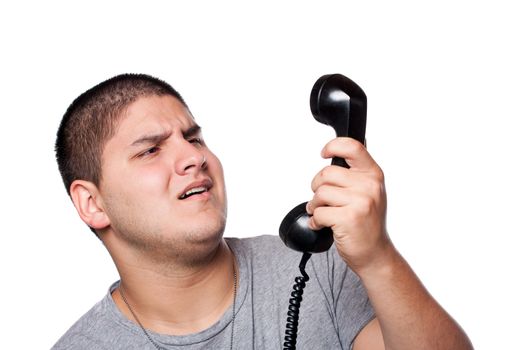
(146, 333)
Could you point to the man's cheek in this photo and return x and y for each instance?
(150, 180)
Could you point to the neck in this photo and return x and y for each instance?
(177, 300)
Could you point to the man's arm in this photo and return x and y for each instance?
(407, 315)
(353, 203)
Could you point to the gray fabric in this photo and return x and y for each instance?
(335, 307)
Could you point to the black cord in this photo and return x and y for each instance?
(292, 321)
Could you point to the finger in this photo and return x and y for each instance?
(357, 209)
(327, 195)
(352, 182)
(331, 175)
(325, 217)
(320, 219)
(353, 151)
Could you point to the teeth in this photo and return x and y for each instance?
(193, 191)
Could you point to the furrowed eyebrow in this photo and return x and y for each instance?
(192, 131)
(160, 137)
(151, 139)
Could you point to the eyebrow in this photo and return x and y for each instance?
(151, 138)
(192, 131)
(160, 137)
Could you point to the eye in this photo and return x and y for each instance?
(149, 151)
(196, 140)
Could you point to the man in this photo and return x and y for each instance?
(140, 175)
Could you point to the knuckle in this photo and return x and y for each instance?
(366, 205)
(322, 192)
(352, 216)
(313, 184)
(324, 174)
(376, 189)
(379, 174)
(321, 177)
(354, 146)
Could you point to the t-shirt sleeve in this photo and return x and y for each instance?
(345, 296)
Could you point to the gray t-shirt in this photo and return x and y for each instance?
(334, 309)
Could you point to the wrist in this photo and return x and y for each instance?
(382, 267)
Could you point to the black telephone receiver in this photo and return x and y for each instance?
(337, 101)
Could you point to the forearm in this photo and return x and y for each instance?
(408, 315)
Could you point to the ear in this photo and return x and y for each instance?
(88, 202)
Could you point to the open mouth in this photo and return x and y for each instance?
(193, 191)
(196, 188)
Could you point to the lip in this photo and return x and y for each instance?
(207, 183)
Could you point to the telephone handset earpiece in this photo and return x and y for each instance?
(337, 101)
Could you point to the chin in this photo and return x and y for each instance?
(201, 242)
(210, 233)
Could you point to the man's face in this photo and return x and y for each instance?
(163, 189)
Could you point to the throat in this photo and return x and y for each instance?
(180, 307)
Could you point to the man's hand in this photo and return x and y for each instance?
(353, 203)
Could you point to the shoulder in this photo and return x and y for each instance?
(75, 340)
(85, 333)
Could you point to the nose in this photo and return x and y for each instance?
(190, 159)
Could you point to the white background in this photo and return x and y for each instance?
(445, 86)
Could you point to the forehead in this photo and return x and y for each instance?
(152, 114)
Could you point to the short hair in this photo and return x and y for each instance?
(91, 120)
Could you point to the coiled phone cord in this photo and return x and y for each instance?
(292, 321)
